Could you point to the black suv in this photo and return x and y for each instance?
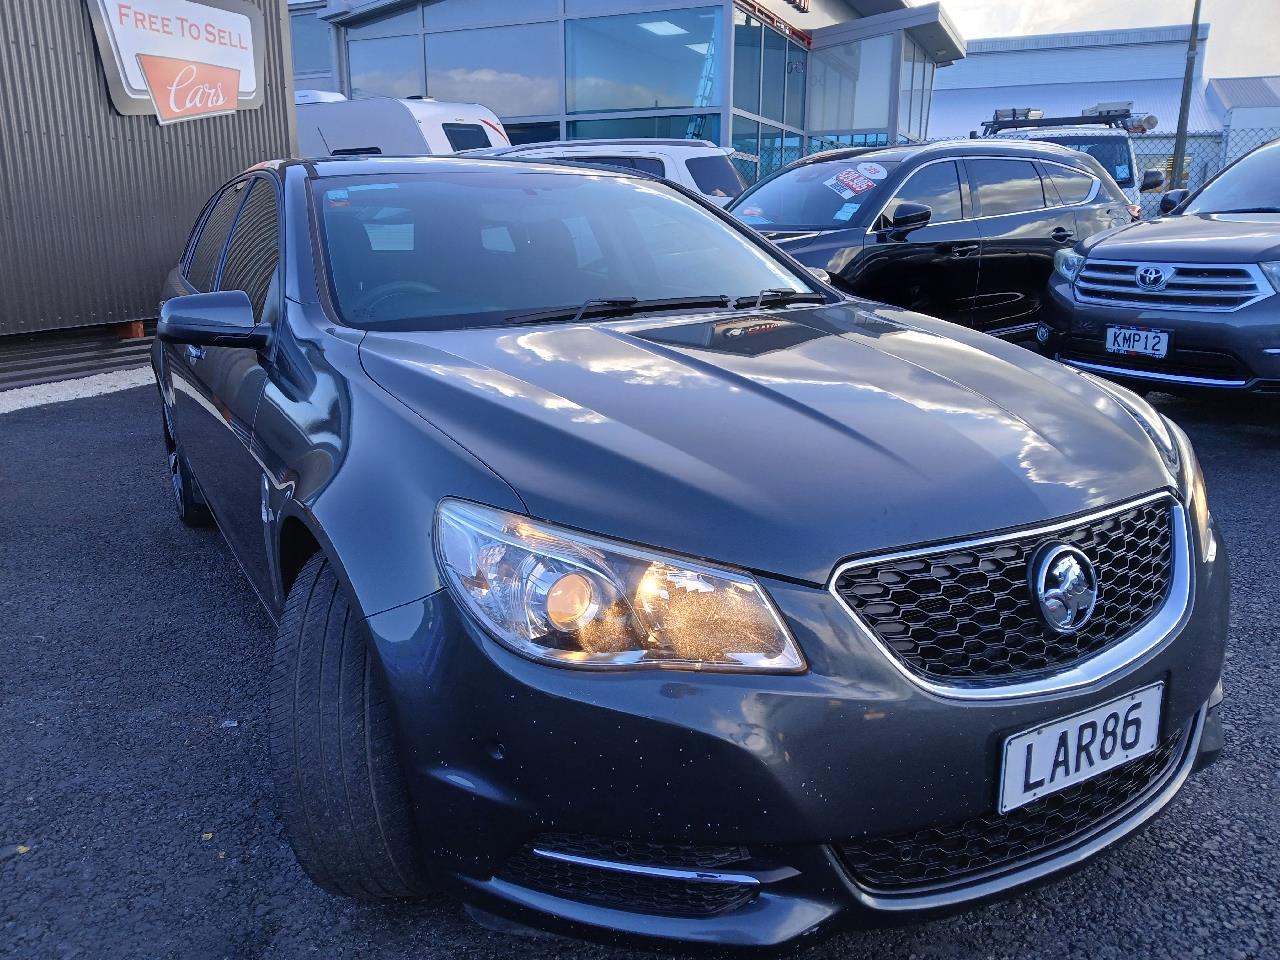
(963, 230)
(1187, 302)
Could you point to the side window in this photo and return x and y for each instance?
(465, 136)
(254, 250)
(650, 165)
(937, 186)
(1073, 186)
(213, 237)
(1006, 186)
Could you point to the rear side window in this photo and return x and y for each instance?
(716, 176)
(1073, 186)
(643, 164)
(254, 251)
(937, 186)
(466, 136)
(1006, 186)
(213, 237)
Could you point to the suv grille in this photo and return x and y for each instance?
(958, 851)
(635, 892)
(1189, 286)
(967, 614)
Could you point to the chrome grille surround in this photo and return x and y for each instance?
(1147, 638)
(1196, 287)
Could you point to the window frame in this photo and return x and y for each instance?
(197, 233)
(1034, 162)
(277, 278)
(1090, 197)
(962, 176)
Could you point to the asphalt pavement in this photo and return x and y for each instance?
(137, 818)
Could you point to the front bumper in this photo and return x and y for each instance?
(1237, 351)
(744, 788)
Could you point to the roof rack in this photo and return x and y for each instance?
(1119, 116)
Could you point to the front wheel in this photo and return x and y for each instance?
(343, 798)
(192, 510)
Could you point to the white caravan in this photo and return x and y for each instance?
(418, 126)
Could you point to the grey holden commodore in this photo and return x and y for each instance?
(630, 580)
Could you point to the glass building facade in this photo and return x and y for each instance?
(731, 72)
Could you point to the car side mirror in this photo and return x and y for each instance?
(1152, 180)
(908, 217)
(1172, 200)
(820, 274)
(221, 319)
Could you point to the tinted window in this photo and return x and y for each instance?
(1252, 186)
(213, 237)
(815, 196)
(466, 136)
(716, 176)
(1006, 186)
(1072, 185)
(473, 248)
(254, 250)
(644, 164)
(937, 186)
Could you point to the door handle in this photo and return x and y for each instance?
(1062, 234)
(194, 353)
(960, 250)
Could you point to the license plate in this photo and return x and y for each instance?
(1149, 343)
(1062, 753)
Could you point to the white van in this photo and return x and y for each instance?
(698, 165)
(384, 125)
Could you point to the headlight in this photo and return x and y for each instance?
(1272, 270)
(1067, 263)
(579, 600)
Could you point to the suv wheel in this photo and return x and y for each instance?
(342, 794)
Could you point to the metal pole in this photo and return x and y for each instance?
(1180, 141)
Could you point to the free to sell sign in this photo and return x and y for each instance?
(178, 59)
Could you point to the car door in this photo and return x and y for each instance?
(932, 269)
(221, 386)
(1097, 206)
(1022, 225)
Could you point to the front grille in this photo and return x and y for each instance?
(967, 615)
(959, 851)
(1190, 286)
(634, 892)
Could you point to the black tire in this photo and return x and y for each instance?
(186, 495)
(342, 795)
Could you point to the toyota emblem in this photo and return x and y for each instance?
(1151, 277)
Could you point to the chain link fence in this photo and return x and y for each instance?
(1205, 155)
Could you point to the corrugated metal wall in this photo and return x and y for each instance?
(94, 206)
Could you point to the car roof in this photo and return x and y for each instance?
(621, 144)
(366, 165)
(986, 146)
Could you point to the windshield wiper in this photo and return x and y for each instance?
(779, 295)
(615, 307)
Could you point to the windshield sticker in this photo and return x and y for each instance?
(872, 171)
(337, 198)
(845, 212)
(1122, 171)
(849, 183)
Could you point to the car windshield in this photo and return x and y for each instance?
(461, 248)
(815, 196)
(1250, 186)
(1110, 151)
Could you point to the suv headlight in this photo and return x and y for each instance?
(1272, 270)
(579, 600)
(1067, 263)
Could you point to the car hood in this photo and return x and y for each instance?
(1192, 238)
(779, 442)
